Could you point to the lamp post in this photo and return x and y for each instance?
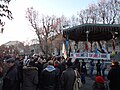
(87, 32)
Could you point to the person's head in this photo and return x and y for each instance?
(102, 60)
(82, 60)
(69, 63)
(50, 62)
(98, 61)
(56, 63)
(92, 60)
(115, 64)
(99, 79)
(10, 62)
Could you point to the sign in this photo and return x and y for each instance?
(90, 55)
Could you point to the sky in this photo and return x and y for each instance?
(19, 28)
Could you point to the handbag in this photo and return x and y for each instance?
(77, 83)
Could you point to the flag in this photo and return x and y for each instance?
(104, 49)
(86, 46)
(73, 57)
(97, 51)
(113, 44)
(64, 51)
(113, 53)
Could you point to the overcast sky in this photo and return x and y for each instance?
(19, 28)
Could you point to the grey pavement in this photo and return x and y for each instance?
(88, 84)
(89, 81)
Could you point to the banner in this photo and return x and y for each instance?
(86, 55)
(64, 53)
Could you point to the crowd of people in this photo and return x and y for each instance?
(54, 73)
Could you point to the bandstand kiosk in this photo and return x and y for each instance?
(92, 33)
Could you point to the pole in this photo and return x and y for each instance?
(87, 32)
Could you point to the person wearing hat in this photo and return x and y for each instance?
(114, 76)
(11, 80)
(99, 83)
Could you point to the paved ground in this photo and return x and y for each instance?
(88, 84)
(89, 81)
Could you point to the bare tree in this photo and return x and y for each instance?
(4, 12)
(93, 13)
(108, 11)
(45, 27)
(105, 11)
(83, 16)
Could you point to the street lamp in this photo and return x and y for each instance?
(87, 32)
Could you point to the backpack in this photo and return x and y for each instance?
(77, 83)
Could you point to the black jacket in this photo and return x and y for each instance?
(67, 79)
(30, 78)
(11, 80)
(114, 77)
(48, 78)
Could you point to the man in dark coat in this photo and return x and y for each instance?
(11, 80)
(83, 71)
(48, 77)
(114, 76)
(30, 78)
(98, 66)
(68, 77)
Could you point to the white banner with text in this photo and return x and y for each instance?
(90, 56)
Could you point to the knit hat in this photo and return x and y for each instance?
(99, 79)
(56, 63)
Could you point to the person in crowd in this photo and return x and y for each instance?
(57, 67)
(68, 77)
(103, 68)
(30, 77)
(11, 79)
(76, 65)
(48, 77)
(92, 64)
(1, 75)
(39, 65)
(83, 71)
(62, 65)
(98, 66)
(114, 76)
(99, 83)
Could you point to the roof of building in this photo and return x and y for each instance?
(96, 32)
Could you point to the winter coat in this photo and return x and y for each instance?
(48, 78)
(67, 79)
(114, 77)
(98, 86)
(30, 78)
(57, 86)
(1, 80)
(11, 80)
(1, 83)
